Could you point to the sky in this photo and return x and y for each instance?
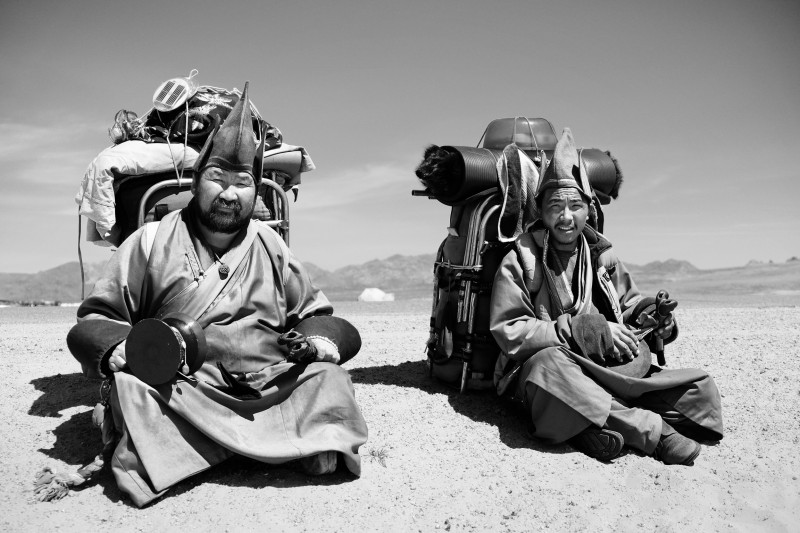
(698, 101)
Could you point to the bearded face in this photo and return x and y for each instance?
(225, 199)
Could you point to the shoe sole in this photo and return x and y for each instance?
(601, 444)
(690, 460)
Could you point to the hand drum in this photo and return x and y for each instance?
(157, 350)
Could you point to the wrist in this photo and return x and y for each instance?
(327, 351)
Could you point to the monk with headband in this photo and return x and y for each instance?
(568, 319)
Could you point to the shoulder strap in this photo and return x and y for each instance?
(265, 229)
(203, 294)
(528, 254)
(150, 230)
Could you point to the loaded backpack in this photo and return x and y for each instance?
(460, 347)
(148, 171)
(489, 191)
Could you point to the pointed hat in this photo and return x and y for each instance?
(566, 170)
(232, 146)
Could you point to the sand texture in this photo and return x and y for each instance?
(435, 460)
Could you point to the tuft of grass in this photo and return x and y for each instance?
(379, 455)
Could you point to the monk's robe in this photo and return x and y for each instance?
(172, 431)
(565, 392)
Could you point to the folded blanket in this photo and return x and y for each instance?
(96, 195)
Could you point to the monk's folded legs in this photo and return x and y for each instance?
(664, 403)
(563, 401)
(640, 428)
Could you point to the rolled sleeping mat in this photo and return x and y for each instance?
(289, 162)
(604, 174)
(156, 350)
(476, 173)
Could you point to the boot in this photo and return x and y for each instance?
(675, 449)
(597, 443)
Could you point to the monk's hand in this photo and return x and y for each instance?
(327, 351)
(626, 346)
(117, 361)
(665, 329)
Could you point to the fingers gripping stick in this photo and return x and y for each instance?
(664, 308)
(300, 350)
(654, 318)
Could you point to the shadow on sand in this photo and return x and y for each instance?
(63, 391)
(241, 471)
(78, 441)
(481, 406)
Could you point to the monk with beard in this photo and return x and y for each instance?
(242, 285)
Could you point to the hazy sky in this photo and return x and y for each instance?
(699, 101)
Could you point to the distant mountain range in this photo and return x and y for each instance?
(59, 284)
(412, 276)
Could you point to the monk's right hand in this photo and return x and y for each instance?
(626, 346)
(117, 360)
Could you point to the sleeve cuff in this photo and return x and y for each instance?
(91, 343)
(338, 331)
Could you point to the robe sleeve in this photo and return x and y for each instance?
(303, 298)
(627, 291)
(630, 298)
(106, 315)
(512, 319)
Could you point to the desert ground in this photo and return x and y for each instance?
(435, 460)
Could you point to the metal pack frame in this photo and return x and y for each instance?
(468, 274)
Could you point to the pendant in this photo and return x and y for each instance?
(224, 270)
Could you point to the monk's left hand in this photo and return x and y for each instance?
(626, 346)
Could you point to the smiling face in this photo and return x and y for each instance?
(564, 212)
(225, 199)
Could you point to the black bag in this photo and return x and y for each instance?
(207, 109)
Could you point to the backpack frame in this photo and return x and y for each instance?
(460, 347)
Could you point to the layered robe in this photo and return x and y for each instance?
(175, 430)
(566, 392)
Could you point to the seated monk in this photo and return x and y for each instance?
(562, 311)
(238, 280)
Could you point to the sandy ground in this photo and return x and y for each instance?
(435, 460)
